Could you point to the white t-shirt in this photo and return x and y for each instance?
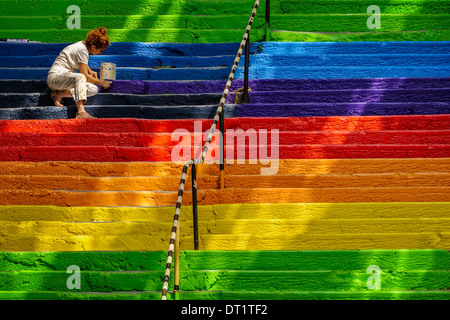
(70, 57)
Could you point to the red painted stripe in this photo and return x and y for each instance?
(136, 139)
(413, 122)
(114, 154)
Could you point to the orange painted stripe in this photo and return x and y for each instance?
(214, 196)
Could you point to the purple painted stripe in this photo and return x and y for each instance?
(349, 96)
(341, 109)
(181, 87)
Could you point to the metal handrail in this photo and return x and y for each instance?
(174, 238)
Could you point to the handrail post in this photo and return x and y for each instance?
(247, 62)
(176, 277)
(267, 20)
(222, 150)
(194, 206)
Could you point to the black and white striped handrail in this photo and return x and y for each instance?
(205, 149)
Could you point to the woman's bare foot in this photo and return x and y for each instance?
(84, 115)
(57, 97)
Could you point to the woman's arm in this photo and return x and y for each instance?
(92, 73)
(84, 69)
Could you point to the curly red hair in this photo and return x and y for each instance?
(98, 38)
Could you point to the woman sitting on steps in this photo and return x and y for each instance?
(64, 79)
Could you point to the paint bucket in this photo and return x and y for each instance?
(108, 71)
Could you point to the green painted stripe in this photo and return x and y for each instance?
(405, 274)
(133, 22)
(316, 295)
(230, 295)
(201, 7)
(66, 295)
(230, 280)
(86, 260)
(358, 23)
(359, 6)
(313, 280)
(316, 260)
(438, 35)
(138, 35)
(348, 260)
(222, 36)
(128, 7)
(91, 281)
(291, 22)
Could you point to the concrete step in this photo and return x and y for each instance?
(273, 48)
(325, 110)
(225, 280)
(299, 151)
(299, 167)
(137, 61)
(217, 86)
(225, 196)
(12, 100)
(171, 139)
(256, 60)
(230, 110)
(334, 72)
(220, 7)
(170, 183)
(266, 227)
(312, 211)
(255, 72)
(342, 109)
(215, 73)
(124, 125)
(142, 49)
(22, 100)
(115, 111)
(299, 21)
(356, 22)
(352, 96)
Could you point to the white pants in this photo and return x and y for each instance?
(79, 88)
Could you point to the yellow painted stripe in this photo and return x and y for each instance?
(374, 210)
(230, 242)
(232, 227)
(269, 227)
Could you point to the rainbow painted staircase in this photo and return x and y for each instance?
(362, 178)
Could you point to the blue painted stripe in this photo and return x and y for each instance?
(272, 60)
(118, 111)
(123, 61)
(221, 73)
(211, 49)
(256, 60)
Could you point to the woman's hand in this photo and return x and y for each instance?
(105, 84)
